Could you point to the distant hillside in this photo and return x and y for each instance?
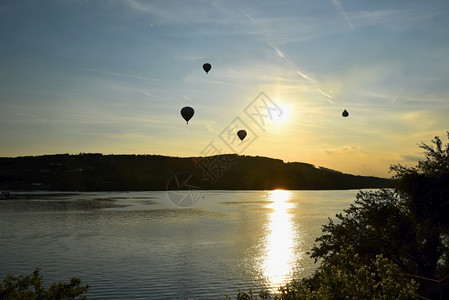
(97, 172)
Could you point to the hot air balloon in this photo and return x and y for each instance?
(241, 134)
(187, 113)
(207, 67)
(345, 113)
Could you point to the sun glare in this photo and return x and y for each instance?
(279, 240)
(279, 196)
(281, 116)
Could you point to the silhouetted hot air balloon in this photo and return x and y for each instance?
(187, 113)
(207, 67)
(345, 113)
(241, 134)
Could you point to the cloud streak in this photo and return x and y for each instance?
(340, 8)
(118, 74)
(140, 62)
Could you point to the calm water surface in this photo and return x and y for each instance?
(138, 245)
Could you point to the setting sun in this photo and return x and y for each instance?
(283, 115)
(279, 195)
(200, 147)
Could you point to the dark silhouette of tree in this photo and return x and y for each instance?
(97, 172)
(408, 225)
(31, 287)
(345, 276)
(425, 191)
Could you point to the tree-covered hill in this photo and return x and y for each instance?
(97, 172)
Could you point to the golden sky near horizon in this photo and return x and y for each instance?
(112, 76)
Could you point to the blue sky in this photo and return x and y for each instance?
(112, 76)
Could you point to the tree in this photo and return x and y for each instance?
(408, 225)
(367, 252)
(425, 191)
(375, 224)
(345, 276)
(30, 287)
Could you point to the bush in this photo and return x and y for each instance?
(30, 287)
(345, 276)
(384, 235)
(408, 225)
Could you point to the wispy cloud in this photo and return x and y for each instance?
(392, 97)
(279, 52)
(174, 12)
(139, 6)
(411, 157)
(141, 62)
(343, 12)
(398, 19)
(187, 98)
(398, 95)
(292, 65)
(306, 77)
(344, 149)
(316, 85)
(123, 74)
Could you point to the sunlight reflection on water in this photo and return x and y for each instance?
(134, 245)
(280, 240)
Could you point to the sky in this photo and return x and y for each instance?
(111, 76)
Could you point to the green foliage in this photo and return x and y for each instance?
(408, 225)
(263, 294)
(345, 276)
(366, 252)
(30, 287)
(374, 224)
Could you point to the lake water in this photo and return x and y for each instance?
(138, 245)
